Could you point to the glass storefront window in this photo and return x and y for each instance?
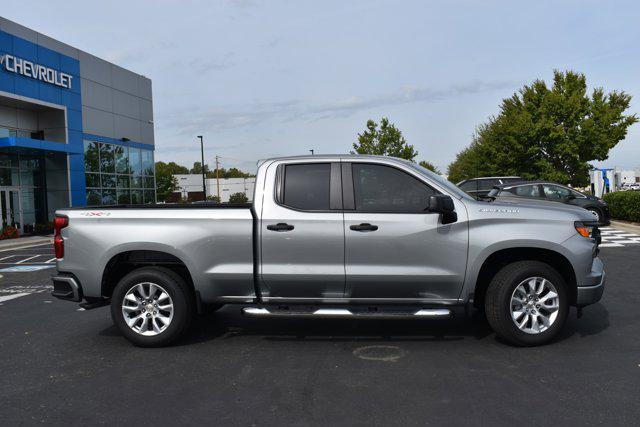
(122, 159)
(110, 167)
(124, 198)
(136, 197)
(148, 182)
(91, 156)
(135, 161)
(8, 176)
(147, 162)
(94, 197)
(108, 197)
(123, 181)
(107, 158)
(92, 179)
(136, 182)
(108, 181)
(149, 196)
(8, 160)
(29, 163)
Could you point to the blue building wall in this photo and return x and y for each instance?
(70, 98)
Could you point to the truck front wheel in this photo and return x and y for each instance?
(152, 306)
(527, 303)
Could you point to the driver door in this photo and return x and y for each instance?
(394, 248)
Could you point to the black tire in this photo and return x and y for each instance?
(498, 302)
(178, 290)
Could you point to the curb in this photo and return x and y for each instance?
(626, 226)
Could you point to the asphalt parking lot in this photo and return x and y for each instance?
(64, 365)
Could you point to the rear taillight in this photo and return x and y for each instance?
(59, 223)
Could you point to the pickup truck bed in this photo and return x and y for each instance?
(214, 242)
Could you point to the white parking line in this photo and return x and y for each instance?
(26, 246)
(27, 259)
(50, 261)
(1, 259)
(13, 296)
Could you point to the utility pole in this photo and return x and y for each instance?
(204, 186)
(218, 178)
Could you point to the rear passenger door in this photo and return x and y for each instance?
(302, 232)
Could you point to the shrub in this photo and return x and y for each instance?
(9, 232)
(238, 198)
(624, 205)
(46, 228)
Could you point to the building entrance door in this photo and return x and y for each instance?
(10, 207)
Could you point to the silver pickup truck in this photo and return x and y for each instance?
(335, 237)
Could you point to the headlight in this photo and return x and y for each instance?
(588, 229)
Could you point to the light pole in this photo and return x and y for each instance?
(312, 150)
(204, 187)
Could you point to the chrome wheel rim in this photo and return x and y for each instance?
(534, 305)
(595, 214)
(147, 309)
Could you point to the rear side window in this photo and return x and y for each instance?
(524, 191)
(385, 189)
(555, 191)
(479, 185)
(469, 186)
(306, 186)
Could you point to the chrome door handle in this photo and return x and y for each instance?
(364, 227)
(281, 226)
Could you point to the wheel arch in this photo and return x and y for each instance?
(122, 263)
(500, 258)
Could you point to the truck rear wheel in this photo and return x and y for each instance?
(152, 306)
(527, 303)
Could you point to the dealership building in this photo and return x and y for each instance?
(75, 130)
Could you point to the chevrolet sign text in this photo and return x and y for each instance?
(26, 68)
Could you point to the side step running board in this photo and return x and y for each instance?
(345, 313)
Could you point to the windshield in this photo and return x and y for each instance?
(451, 187)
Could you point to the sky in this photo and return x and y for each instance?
(268, 78)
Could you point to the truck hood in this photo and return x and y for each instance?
(537, 208)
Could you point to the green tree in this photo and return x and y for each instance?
(385, 140)
(197, 168)
(548, 133)
(177, 169)
(229, 173)
(428, 165)
(214, 199)
(238, 198)
(467, 164)
(166, 183)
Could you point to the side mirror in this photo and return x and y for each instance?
(443, 204)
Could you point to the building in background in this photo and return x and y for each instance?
(75, 130)
(607, 180)
(190, 187)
